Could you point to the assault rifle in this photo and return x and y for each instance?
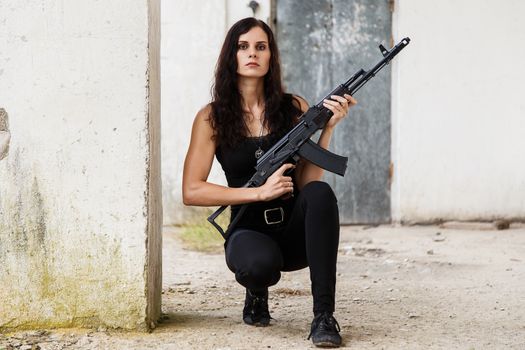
(296, 143)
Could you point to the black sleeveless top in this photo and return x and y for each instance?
(239, 164)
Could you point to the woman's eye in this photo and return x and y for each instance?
(242, 46)
(261, 47)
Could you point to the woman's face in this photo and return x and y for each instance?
(253, 53)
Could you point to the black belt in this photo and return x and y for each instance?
(274, 216)
(259, 216)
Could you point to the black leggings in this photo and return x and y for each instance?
(311, 238)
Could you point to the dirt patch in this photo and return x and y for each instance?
(391, 294)
(290, 291)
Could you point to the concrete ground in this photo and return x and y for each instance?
(458, 286)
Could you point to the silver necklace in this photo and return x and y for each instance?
(259, 152)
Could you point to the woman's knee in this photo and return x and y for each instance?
(258, 274)
(319, 192)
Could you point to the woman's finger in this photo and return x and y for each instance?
(333, 106)
(337, 110)
(350, 99)
(286, 179)
(285, 167)
(343, 101)
(333, 103)
(330, 107)
(287, 184)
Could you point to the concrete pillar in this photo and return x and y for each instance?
(80, 210)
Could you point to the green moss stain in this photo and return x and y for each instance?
(49, 281)
(99, 294)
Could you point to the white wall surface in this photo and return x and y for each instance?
(458, 111)
(192, 35)
(74, 184)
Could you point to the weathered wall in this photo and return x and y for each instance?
(458, 111)
(80, 170)
(192, 35)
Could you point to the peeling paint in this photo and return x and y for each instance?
(5, 134)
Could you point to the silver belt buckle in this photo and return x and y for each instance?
(268, 222)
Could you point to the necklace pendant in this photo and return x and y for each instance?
(259, 153)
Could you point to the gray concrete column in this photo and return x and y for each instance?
(80, 204)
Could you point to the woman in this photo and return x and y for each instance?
(292, 221)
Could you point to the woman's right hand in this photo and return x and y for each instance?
(277, 184)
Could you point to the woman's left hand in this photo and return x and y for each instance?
(339, 106)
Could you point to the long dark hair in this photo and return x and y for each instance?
(226, 109)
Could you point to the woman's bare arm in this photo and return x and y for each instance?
(197, 165)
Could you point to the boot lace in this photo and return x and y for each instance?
(260, 307)
(256, 307)
(325, 323)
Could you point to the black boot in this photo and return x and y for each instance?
(255, 310)
(325, 331)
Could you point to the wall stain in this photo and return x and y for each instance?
(18, 228)
(24, 214)
(38, 215)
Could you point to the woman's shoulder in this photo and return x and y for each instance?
(204, 115)
(203, 120)
(204, 112)
(298, 102)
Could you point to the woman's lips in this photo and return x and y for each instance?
(252, 64)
